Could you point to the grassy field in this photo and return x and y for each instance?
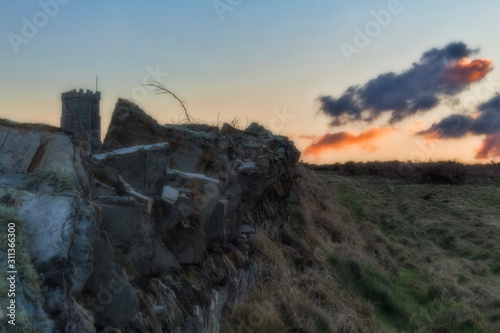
(368, 253)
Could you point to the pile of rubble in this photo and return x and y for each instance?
(154, 233)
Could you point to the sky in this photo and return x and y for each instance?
(345, 80)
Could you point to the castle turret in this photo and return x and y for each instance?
(80, 114)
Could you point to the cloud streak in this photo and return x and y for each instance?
(439, 73)
(341, 140)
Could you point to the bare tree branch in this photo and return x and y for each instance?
(160, 89)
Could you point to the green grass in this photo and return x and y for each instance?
(376, 288)
(436, 228)
(488, 199)
(59, 179)
(354, 204)
(390, 255)
(27, 275)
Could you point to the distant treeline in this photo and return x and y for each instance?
(442, 172)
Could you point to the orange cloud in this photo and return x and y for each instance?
(415, 127)
(467, 71)
(432, 135)
(490, 147)
(341, 140)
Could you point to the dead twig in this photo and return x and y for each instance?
(160, 89)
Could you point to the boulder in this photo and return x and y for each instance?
(215, 225)
(204, 190)
(108, 293)
(167, 216)
(193, 148)
(258, 130)
(130, 126)
(164, 260)
(183, 212)
(103, 190)
(81, 273)
(234, 219)
(192, 156)
(28, 298)
(52, 227)
(61, 234)
(109, 183)
(32, 148)
(170, 194)
(187, 244)
(106, 175)
(143, 167)
(130, 228)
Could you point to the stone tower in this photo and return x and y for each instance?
(80, 114)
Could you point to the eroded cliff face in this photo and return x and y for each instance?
(152, 235)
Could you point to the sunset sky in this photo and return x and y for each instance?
(346, 80)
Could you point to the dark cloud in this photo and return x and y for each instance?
(454, 126)
(491, 105)
(343, 109)
(452, 51)
(439, 73)
(485, 122)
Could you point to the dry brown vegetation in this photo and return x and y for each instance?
(442, 172)
(379, 254)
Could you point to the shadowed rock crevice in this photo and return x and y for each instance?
(35, 161)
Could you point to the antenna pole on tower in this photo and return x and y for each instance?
(96, 82)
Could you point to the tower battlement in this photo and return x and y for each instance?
(81, 94)
(81, 115)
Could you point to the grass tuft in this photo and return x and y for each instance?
(28, 280)
(58, 179)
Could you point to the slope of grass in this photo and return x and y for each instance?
(372, 254)
(448, 235)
